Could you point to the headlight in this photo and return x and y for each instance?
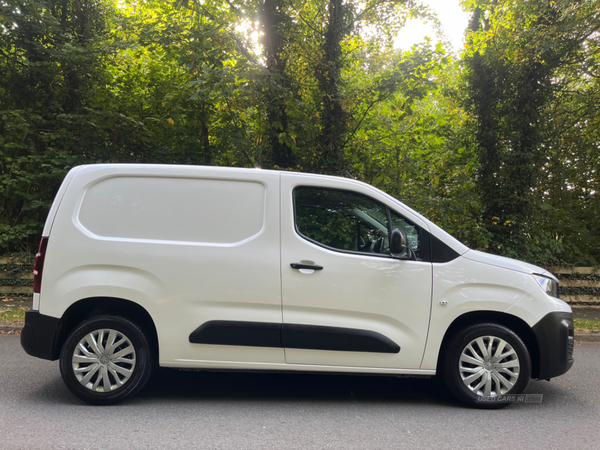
(548, 285)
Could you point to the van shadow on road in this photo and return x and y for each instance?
(198, 385)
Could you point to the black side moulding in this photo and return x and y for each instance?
(310, 337)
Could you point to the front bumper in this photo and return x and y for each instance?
(555, 336)
(40, 335)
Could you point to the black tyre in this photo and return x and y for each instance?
(106, 359)
(486, 366)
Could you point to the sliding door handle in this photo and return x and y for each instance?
(306, 266)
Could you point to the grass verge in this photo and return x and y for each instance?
(587, 325)
(12, 316)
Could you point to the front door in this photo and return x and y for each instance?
(346, 301)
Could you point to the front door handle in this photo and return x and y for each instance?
(306, 266)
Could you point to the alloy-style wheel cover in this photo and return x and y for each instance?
(104, 360)
(489, 366)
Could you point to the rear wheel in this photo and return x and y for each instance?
(486, 365)
(106, 359)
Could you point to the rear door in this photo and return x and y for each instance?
(346, 301)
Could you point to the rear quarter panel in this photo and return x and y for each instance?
(181, 284)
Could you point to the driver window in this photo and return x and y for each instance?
(342, 220)
(412, 232)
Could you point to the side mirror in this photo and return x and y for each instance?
(399, 244)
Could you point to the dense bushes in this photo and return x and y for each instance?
(500, 146)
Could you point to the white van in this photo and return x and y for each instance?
(246, 269)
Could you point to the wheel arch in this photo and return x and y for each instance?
(94, 306)
(514, 323)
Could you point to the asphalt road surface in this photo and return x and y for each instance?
(281, 411)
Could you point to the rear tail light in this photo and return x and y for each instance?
(38, 266)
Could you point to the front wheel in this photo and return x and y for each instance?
(486, 365)
(106, 359)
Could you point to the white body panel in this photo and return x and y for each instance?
(197, 244)
(181, 284)
(365, 292)
(463, 285)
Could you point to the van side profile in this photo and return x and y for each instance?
(246, 269)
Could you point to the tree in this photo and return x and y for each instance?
(51, 55)
(517, 53)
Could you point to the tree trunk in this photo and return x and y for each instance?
(330, 142)
(279, 154)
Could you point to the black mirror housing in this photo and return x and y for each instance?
(399, 244)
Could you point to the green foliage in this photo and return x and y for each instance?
(500, 148)
(518, 55)
(53, 63)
